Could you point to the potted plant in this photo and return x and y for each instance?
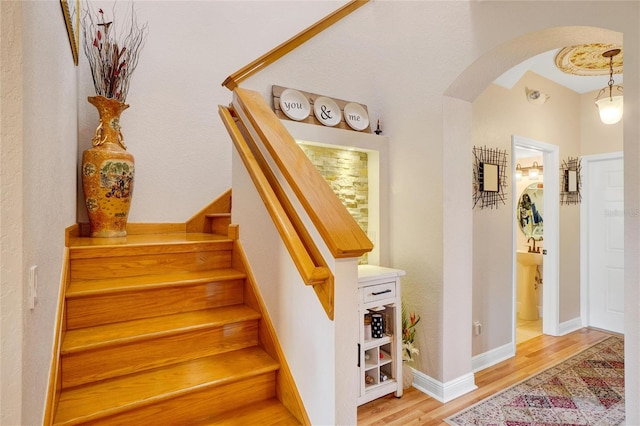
(409, 322)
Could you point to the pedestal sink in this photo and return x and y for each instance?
(527, 263)
(528, 258)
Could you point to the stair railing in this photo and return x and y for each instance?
(304, 253)
(297, 241)
(339, 230)
(253, 126)
(273, 55)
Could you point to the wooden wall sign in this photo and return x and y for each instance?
(305, 107)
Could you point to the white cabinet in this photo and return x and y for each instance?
(380, 358)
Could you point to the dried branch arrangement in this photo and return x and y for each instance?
(112, 51)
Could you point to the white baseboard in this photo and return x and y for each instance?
(492, 357)
(444, 392)
(570, 326)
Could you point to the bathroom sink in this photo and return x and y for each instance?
(526, 280)
(529, 259)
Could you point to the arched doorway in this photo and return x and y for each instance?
(457, 114)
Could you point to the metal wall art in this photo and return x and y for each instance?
(570, 181)
(489, 177)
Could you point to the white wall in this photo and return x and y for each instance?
(38, 199)
(49, 183)
(11, 271)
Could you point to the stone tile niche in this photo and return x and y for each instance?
(355, 165)
(346, 171)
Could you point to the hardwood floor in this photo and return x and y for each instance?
(526, 330)
(532, 356)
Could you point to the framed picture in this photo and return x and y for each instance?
(489, 177)
(489, 181)
(71, 13)
(571, 182)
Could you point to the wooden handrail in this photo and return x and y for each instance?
(273, 55)
(340, 232)
(312, 273)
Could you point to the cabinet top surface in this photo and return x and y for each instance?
(372, 272)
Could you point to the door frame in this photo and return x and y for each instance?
(551, 270)
(584, 229)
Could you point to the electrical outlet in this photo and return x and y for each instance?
(33, 287)
(477, 328)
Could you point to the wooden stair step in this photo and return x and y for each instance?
(91, 248)
(102, 352)
(269, 412)
(127, 263)
(93, 252)
(155, 387)
(125, 299)
(141, 240)
(93, 287)
(91, 338)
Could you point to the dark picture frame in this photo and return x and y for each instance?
(571, 181)
(489, 177)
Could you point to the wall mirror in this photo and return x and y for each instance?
(571, 182)
(489, 177)
(531, 211)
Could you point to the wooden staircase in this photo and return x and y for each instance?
(167, 329)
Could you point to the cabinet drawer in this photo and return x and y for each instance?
(379, 292)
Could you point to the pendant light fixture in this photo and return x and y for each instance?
(610, 107)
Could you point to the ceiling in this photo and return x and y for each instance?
(544, 65)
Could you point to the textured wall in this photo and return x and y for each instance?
(50, 155)
(38, 200)
(11, 212)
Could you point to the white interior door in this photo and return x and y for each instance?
(604, 188)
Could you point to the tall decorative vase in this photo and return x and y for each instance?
(107, 172)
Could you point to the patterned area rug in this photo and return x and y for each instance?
(586, 389)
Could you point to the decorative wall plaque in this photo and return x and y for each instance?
(353, 116)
